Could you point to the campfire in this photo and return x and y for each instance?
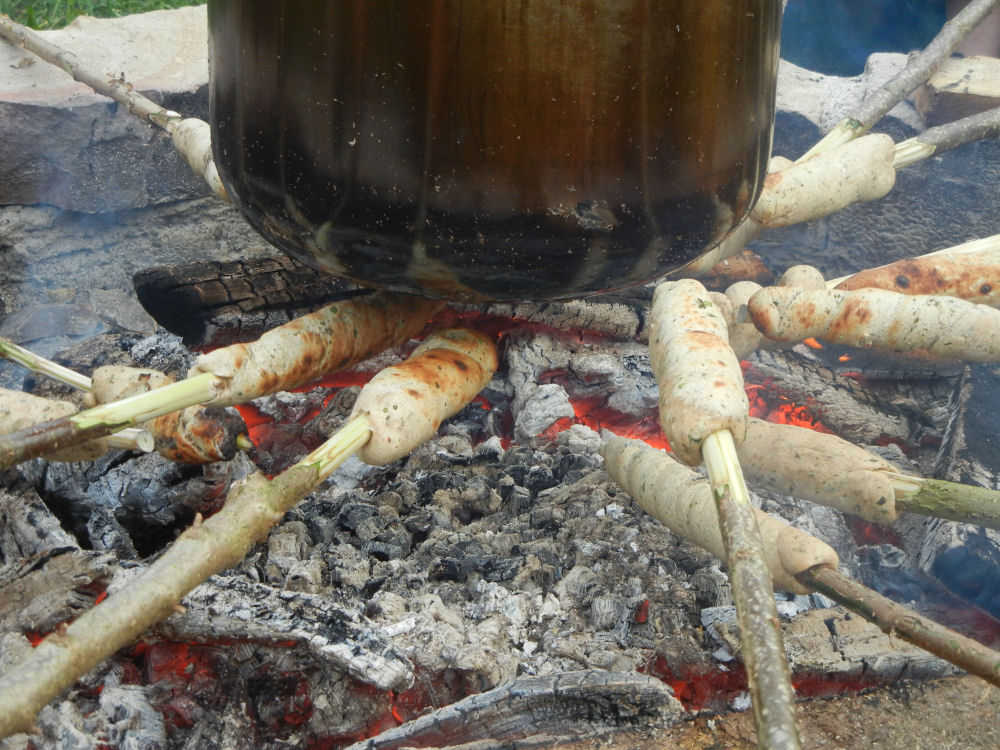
(501, 560)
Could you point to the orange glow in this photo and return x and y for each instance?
(812, 343)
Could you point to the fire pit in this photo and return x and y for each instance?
(499, 549)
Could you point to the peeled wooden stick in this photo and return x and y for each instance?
(191, 137)
(253, 508)
(917, 70)
(704, 412)
(944, 326)
(944, 137)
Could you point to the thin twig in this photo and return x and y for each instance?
(894, 618)
(103, 420)
(951, 500)
(948, 136)
(770, 679)
(917, 70)
(190, 135)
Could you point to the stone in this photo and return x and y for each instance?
(66, 146)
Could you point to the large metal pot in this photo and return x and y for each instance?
(494, 149)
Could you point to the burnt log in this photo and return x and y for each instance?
(214, 303)
(539, 712)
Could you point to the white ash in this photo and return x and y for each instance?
(617, 370)
(543, 406)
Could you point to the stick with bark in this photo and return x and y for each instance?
(334, 338)
(191, 136)
(917, 70)
(945, 137)
(798, 562)
(704, 412)
(441, 376)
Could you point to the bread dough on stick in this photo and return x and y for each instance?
(860, 170)
(195, 435)
(406, 403)
(875, 318)
(819, 467)
(682, 501)
(699, 376)
(974, 277)
(331, 339)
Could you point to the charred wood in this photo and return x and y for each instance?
(839, 402)
(231, 608)
(539, 709)
(27, 526)
(220, 303)
(39, 592)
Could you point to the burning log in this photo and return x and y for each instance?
(702, 405)
(651, 478)
(333, 338)
(252, 509)
(944, 326)
(539, 710)
(191, 137)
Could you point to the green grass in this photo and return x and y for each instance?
(53, 14)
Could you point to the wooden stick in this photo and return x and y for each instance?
(253, 508)
(105, 419)
(770, 679)
(893, 618)
(191, 137)
(951, 500)
(944, 137)
(917, 70)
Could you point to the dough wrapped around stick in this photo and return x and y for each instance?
(860, 170)
(406, 403)
(944, 326)
(195, 435)
(333, 338)
(682, 501)
(821, 468)
(19, 410)
(972, 277)
(701, 384)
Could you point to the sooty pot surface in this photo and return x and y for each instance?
(507, 150)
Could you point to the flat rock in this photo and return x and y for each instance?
(62, 144)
